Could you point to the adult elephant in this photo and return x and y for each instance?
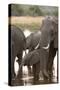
(49, 34)
(32, 40)
(18, 43)
(53, 49)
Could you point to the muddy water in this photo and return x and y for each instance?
(27, 73)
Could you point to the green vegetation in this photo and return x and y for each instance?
(33, 10)
(55, 13)
(16, 10)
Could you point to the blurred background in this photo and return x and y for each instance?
(30, 16)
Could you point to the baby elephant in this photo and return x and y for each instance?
(35, 56)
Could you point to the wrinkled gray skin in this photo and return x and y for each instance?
(49, 30)
(32, 40)
(18, 43)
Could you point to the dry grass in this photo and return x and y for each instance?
(27, 22)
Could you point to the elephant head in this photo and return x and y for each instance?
(32, 40)
(49, 31)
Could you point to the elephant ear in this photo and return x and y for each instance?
(56, 41)
(55, 22)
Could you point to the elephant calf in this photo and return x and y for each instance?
(35, 56)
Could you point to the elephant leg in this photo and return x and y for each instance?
(50, 60)
(12, 68)
(12, 62)
(46, 75)
(19, 62)
(50, 66)
(43, 64)
(36, 70)
(29, 69)
(51, 57)
(41, 77)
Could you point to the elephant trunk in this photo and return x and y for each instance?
(22, 63)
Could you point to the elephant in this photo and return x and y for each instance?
(48, 40)
(36, 56)
(32, 40)
(48, 34)
(52, 52)
(17, 45)
(53, 49)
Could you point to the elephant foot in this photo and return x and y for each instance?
(19, 75)
(46, 75)
(36, 77)
(41, 77)
(50, 74)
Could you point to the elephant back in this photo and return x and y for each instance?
(17, 37)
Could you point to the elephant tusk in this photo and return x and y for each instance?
(37, 46)
(46, 46)
(42, 47)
